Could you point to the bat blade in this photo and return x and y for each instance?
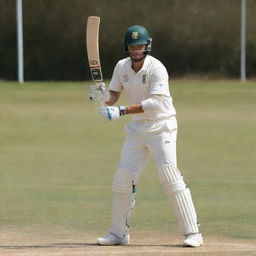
(92, 43)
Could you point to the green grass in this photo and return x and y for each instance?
(58, 158)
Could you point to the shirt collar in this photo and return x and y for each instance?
(145, 63)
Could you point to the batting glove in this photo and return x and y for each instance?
(112, 112)
(98, 92)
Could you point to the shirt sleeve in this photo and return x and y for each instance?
(115, 83)
(157, 103)
(159, 83)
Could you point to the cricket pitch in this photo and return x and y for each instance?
(17, 243)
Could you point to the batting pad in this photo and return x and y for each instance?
(180, 197)
(123, 202)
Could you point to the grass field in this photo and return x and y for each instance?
(57, 160)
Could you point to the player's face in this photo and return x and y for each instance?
(137, 52)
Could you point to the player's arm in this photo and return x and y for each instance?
(153, 103)
(113, 97)
(134, 109)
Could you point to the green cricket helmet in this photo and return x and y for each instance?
(137, 35)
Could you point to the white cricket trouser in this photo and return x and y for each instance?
(145, 139)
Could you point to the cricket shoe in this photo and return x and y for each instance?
(194, 240)
(112, 239)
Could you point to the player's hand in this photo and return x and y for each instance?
(97, 92)
(112, 112)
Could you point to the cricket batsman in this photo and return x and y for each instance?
(151, 133)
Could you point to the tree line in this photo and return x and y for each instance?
(200, 37)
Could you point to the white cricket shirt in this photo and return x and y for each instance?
(151, 79)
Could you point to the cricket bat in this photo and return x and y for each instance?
(92, 43)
